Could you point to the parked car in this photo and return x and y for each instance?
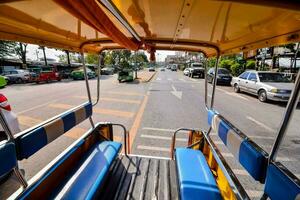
(266, 85)
(151, 69)
(196, 69)
(65, 73)
(3, 81)
(17, 75)
(107, 71)
(186, 71)
(223, 77)
(174, 68)
(47, 74)
(79, 74)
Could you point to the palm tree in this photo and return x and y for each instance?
(44, 53)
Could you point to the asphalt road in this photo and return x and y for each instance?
(151, 112)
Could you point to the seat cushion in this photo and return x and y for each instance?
(196, 181)
(279, 186)
(89, 176)
(8, 158)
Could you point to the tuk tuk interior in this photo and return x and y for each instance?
(95, 166)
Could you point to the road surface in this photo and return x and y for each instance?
(151, 112)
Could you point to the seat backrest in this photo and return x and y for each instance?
(249, 155)
(8, 157)
(279, 185)
(32, 141)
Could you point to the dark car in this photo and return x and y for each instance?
(223, 77)
(151, 69)
(107, 71)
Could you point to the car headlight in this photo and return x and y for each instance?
(275, 90)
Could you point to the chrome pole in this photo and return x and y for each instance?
(87, 85)
(215, 81)
(20, 177)
(98, 79)
(205, 83)
(6, 128)
(292, 103)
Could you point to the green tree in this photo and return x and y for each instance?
(211, 62)
(6, 48)
(44, 54)
(236, 69)
(92, 58)
(250, 64)
(226, 63)
(21, 50)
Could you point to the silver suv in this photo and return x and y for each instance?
(17, 75)
(266, 85)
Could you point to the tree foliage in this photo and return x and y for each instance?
(92, 58)
(74, 57)
(6, 48)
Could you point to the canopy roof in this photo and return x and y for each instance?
(191, 25)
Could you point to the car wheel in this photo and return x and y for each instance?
(262, 96)
(236, 88)
(19, 80)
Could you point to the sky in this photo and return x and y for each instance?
(33, 53)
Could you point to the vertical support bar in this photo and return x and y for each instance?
(6, 128)
(215, 81)
(292, 103)
(87, 85)
(98, 78)
(205, 83)
(10, 136)
(20, 177)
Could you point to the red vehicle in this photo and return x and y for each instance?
(47, 74)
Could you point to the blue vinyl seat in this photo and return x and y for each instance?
(196, 181)
(90, 174)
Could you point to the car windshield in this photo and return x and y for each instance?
(273, 77)
(223, 71)
(196, 65)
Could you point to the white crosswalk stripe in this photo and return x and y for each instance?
(162, 138)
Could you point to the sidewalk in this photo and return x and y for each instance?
(145, 76)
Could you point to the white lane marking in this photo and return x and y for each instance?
(229, 155)
(163, 138)
(176, 93)
(261, 124)
(169, 79)
(233, 94)
(261, 137)
(153, 148)
(219, 142)
(159, 129)
(240, 172)
(254, 193)
(158, 79)
(285, 159)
